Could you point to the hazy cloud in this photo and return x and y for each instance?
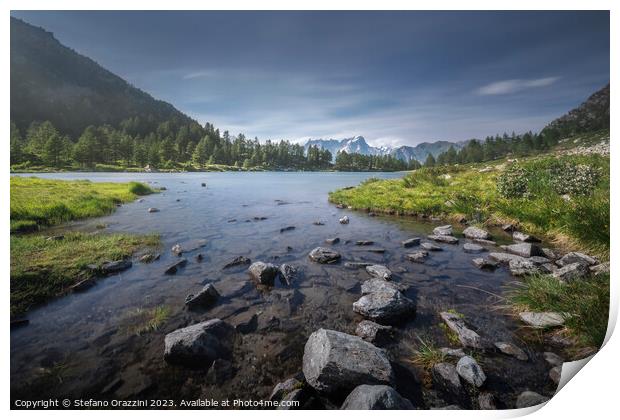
(504, 87)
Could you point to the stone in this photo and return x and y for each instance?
(324, 255)
(288, 274)
(446, 379)
(553, 359)
(318, 223)
(548, 253)
(204, 299)
(357, 264)
(444, 238)
(504, 258)
(199, 345)
(263, 273)
(364, 243)
(344, 220)
(483, 263)
(524, 249)
(467, 337)
(523, 267)
(374, 333)
(237, 261)
(177, 250)
(418, 257)
(443, 230)
(542, 319)
(335, 362)
(485, 242)
(287, 229)
(203, 184)
(284, 388)
(115, 266)
(524, 237)
(332, 241)
(508, 227)
(573, 257)
(430, 247)
(470, 371)
(173, 268)
(385, 306)
(379, 271)
(83, 285)
(600, 268)
(377, 285)
(486, 401)
(249, 326)
(476, 233)
(473, 248)
(529, 399)
(375, 397)
(571, 272)
(511, 350)
(408, 243)
(539, 260)
(153, 210)
(147, 258)
(448, 352)
(555, 374)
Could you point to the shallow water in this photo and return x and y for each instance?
(85, 344)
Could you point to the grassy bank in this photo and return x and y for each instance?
(42, 268)
(37, 203)
(25, 168)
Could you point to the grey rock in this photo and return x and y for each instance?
(467, 337)
(504, 258)
(324, 255)
(249, 326)
(483, 263)
(153, 210)
(418, 257)
(199, 345)
(332, 241)
(446, 378)
(524, 249)
(542, 319)
(444, 238)
(553, 359)
(344, 220)
(529, 399)
(384, 306)
(508, 227)
(571, 272)
(173, 268)
(147, 258)
(115, 266)
(284, 388)
(177, 249)
(237, 261)
(548, 252)
(573, 257)
(374, 333)
(288, 274)
(263, 273)
(376, 397)
(357, 264)
(524, 237)
(523, 267)
(486, 401)
(443, 230)
(473, 248)
(470, 371)
(364, 243)
(430, 247)
(476, 233)
(538, 260)
(511, 350)
(287, 229)
(600, 268)
(83, 285)
(379, 271)
(555, 374)
(377, 285)
(335, 362)
(408, 243)
(204, 299)
(448, 352)
(485, 242)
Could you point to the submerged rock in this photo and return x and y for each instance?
(470, 371)
(287, 228)
(473, 248)
(444, 238)
(443, 230)
(153, 210)
(263, 273)
(430, 247)
(237, 261)
(374, 333)
(384, 306)
(379, 271)
(524, 237)
(335, 362)
(467, 337)
(529, 399)
(571, 272)
(199, 345)
(364, 243)
(115, 266)
(173, 268)
(511, 350)
(376, 397)
(408, 243)
(205, 298)
(476, 233)
(147, 258)
(542, 319)
(324, 255)
(288, 274)
(357, 264)
(483, 263)
(177, 249)
(332, 241)
(418, 257)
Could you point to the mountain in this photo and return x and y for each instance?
(592, 115)
(358, 144)
(52, 82)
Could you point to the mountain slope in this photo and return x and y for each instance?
(52, 82)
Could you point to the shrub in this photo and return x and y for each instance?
(139, 188)
(572, 179)
(513, 182)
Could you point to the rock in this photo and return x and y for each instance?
(375, 397)
(452, 352)
(83, 285)
(467, 337)
(473, 248)
(263, 273)
(511, 350)
(344, 220)
(288, 274)
(408, 243)
(115, 266)
(522, 267)
(284, 388)
(324, 255)
(377, 285)
(524, 237)
(199, 345)
(204, 299)
(542, 319)
(177, 250)
(153, 210)
(173, 268)
(339, 206)
(486, 401)
(555, 374)
(332, 241)
(418, 257)
(470, 371)
(430, 247)
(538, 260)
(372, 214)
(335, 362)
(203, 184)
(385, 306)
(508, 227)
(529, 399)
(260, 218)
(249, 326)
(364, 243)
(318, 223)
(237, 261)
(374, 333)
(444, 238)
(524, 249)
(356, 264)
(553, 359)
(379, 271)
(147, 258)
(600, 268)
(476, 233)
(483, 263)
(505, 258)
(443, 230)
(571, 272)
(287, 228)
(577, 257)
(584, 352)
(548, 253)
(446, 379)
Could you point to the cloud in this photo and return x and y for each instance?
(505, 87)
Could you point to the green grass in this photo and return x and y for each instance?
(38, 203)
(427, 355)
(585, 301)
(147, 320)
(41, 268)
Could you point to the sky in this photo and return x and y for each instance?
(396, 78)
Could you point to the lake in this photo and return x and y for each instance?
(86, 345)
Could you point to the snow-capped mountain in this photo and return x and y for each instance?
(358, 144)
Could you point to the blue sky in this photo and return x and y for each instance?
(394, 77)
